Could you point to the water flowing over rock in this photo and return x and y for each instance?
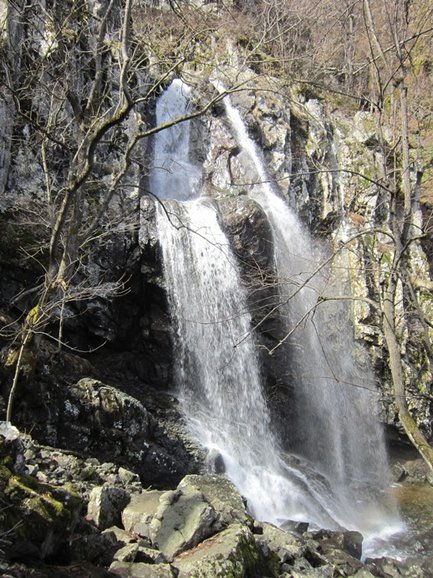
(217, 362)
(217, 370)
(336, 426)
(172, 172)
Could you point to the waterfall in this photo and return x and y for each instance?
(217, 372)
(173, 175)
(336, 427)
(219, 382)
(337, 453)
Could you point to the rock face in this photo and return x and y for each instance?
(198, 530)
(106, 420)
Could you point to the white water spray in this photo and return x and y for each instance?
(337, 427)
(339, 448)
(219, 384)
(173, 175)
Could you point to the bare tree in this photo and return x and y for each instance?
(80, 80)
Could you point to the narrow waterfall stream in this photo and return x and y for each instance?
(219, 384)
(337, 424)
(173, 175)
(339, 469)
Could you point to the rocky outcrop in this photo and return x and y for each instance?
(36, 519)
(199, 530)
(143, 431)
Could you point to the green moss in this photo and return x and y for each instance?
(24, 484)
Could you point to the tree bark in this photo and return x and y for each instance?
(396, 366)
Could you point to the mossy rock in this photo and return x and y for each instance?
(39, 516)
(230, 554)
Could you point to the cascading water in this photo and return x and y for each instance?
(337, 427)
(173, 175)
(220, 385)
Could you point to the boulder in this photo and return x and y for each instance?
(231, 553)
(140, 570)
(347, 541)
(184, 518)
(106, 504)
(138, 514)
(221, 495)
(278, 547)
(250, 233)
(103, 421)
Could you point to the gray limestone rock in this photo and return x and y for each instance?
(138, 514)
(106, 504)
(231, 553)
(183, 519)
(120, 536)
(127, 553)
(285, 545)
(140, 570)
(221, 495)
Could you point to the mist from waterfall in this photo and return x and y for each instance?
(336, 471)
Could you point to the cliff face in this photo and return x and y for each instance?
(331, 163)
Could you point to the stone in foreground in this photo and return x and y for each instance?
(231, 553)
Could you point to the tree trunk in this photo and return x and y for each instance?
(395, 363)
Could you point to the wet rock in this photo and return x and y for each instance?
(250, 233)
(345, 564)
(232, 553)
(278, 547)
(414, 471)
(295, 527)
(106, 504)
(348, 541)
(221, 494)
